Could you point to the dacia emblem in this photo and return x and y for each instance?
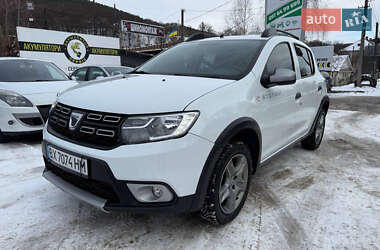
(75, 119)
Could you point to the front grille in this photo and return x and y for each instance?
(34, 121)
(44, 111)
(95, 129)
(97, 188)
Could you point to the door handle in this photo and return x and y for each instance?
(298, 95)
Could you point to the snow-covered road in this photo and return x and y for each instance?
(328, 199)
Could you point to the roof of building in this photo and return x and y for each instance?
(356, 46)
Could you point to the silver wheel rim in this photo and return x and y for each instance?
(233, 183)
(320, 128)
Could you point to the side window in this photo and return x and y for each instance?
(304, 61)
(80, 74)
(280, 57)
(94, 72)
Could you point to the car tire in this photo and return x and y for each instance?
(230, 183)
(313, 141)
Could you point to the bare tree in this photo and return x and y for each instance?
(240, 18)
(316, 35)
(6, 7)
(205, 27)
(229, 32)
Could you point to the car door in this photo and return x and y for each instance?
(95, 72)
(280, 119)
(80, 74)
(308, 87)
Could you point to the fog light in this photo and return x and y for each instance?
(157, 192)
(150, 193)
(11, 122)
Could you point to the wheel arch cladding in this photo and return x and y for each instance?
(325, 104)
(245, 130)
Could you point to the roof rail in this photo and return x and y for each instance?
(199, 36)
(275, 32)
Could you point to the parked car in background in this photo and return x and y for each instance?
(93, 72)
(28, 88)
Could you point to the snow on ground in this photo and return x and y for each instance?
(351, 90)
(327, 199)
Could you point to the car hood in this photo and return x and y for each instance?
(140, 94)
(39, 93)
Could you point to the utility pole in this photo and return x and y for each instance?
(303, 33)
(362, 46)
(18, 12)
(182, 25)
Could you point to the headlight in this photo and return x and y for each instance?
(13, 99)
(141, 129)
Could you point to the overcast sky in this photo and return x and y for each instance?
(195, 12)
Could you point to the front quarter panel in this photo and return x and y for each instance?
(222, 107)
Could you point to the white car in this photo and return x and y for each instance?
(186, 131)
(28, 88)
(90, 73)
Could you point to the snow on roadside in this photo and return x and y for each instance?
(327, 199)
(351, 90)
(346, 121)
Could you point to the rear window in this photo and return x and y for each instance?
(30, 71)
(305, 61)
(229, 59)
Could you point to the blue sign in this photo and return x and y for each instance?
(354, 19)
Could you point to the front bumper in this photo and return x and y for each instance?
(11, 119)
(177, 164)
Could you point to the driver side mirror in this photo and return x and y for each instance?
(326, 75)
(74, 78)
(281, 76)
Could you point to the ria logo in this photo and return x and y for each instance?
(75, 119)
(356, 19)
(336, 19)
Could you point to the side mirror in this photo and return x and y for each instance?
(74, 78)
(99, 77)
(326, 75)
(282, 76)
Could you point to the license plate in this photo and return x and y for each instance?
(67, 161)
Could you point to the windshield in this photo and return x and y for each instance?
(118, 70)
(229, 59)
(30, 71)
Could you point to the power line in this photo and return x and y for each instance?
(220, 10)
(172, 14)
(209, 11)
